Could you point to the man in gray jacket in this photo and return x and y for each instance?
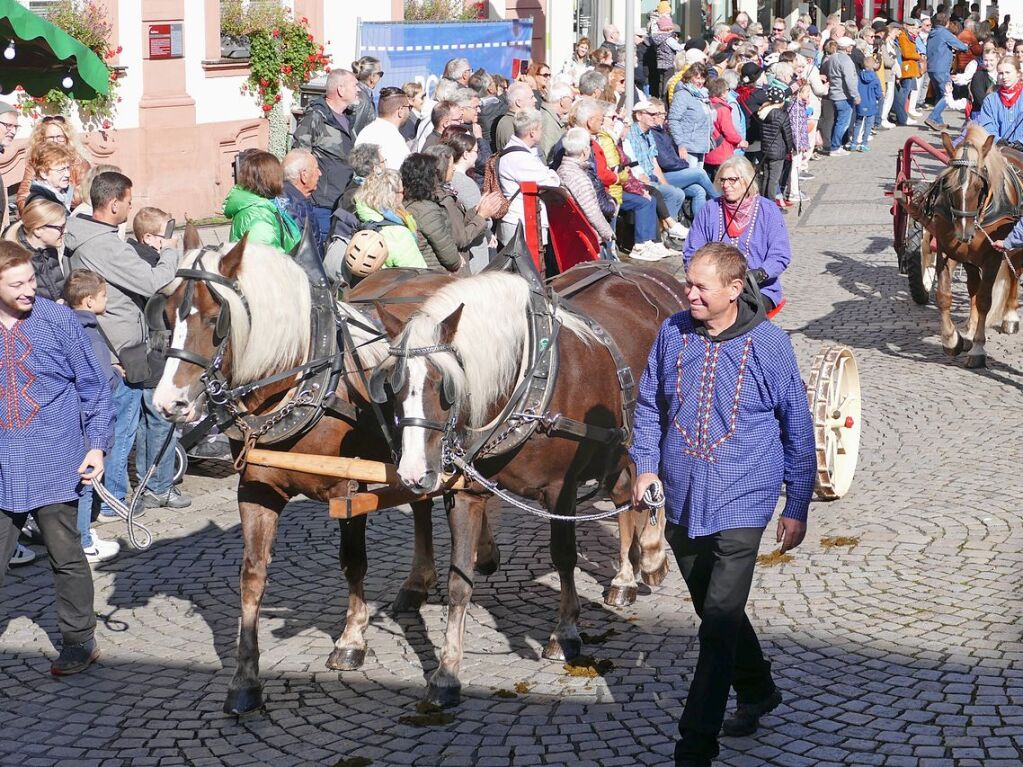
(843, 91)
(95, 244)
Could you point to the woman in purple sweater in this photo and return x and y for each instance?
(753, 224)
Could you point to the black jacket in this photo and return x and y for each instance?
(331, 142)
(51, 268)
(776, 140)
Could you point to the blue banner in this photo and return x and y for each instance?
(418, 51)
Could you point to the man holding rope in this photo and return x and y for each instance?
(722, 420)
(56, 424)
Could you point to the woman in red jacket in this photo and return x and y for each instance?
(725, 139)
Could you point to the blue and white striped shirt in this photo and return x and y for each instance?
(54, 406)
(724, 424)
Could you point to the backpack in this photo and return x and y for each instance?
(492, 181)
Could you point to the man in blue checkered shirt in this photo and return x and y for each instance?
(722, 420)
(56, 424)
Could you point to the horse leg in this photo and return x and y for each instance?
(977, 356)
(488, 555)
(259, 517)
(465, 520)
(565, 643)
(654, 551)
(951, 341)
(349, 651)
(423, 575)
(1010, 305)
(624, 587)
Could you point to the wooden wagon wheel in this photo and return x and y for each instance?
(833, 392)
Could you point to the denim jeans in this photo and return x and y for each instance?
(939, 107)
(152, 432)
(843, 114)
(695, 183)
(85, 503)
(127, 404)
(905, 87)
(645, 215)
(673, 198)
(861, 133)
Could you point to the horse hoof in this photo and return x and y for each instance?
(445, 697)
(346, 659)
(656, 577)
(976, 362)
(246, 700)
(489, 566)
(1010, 327)
(618, 596)
(563, 649)
(408, 601)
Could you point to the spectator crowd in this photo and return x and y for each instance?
(714, 144)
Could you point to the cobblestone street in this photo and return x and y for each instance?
(901, 649)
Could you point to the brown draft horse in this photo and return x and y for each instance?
(969, 205)
(454, 366)
(269, 333)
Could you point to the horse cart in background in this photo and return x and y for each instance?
(913, 248)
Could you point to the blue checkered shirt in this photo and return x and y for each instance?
(642, 149)
(724, 424)
(54, 405)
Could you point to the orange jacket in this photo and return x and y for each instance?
(910, 56)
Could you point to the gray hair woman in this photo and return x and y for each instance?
(368, 72)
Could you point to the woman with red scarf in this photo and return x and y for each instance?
(752, 223)
(1001, 114)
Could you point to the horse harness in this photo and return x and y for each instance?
(527, 408)
(936, 198)
(312, 393)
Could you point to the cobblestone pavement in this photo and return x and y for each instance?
(901, 650)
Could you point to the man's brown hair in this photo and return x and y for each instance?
(728, 261)
(81, 284)
(12, 255)
(261, 173)
(149, 221)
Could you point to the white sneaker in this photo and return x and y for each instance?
(656, 251)
(648, 252)
(101, 550)
(839, 152)
(22, 555)
(886, 125)
(678, 230)
(916, 113)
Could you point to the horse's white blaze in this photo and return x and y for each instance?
(412, 466)
(166, 392)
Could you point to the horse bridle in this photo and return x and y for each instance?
(968, 166)
(403, 354)
(213, 380)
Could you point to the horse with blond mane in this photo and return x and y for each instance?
(455, 370)
(265, 297)
(970, 205)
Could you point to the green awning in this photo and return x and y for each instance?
(44, 55)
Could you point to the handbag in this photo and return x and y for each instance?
(134, 359)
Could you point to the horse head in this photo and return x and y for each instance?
(426, 382)
(195, 311)
(968, 184)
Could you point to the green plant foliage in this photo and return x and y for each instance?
(444, 10)
(87, 23)
(282, 54)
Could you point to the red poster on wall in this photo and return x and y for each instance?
(165, 41)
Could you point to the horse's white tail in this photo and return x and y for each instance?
(999, 296)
